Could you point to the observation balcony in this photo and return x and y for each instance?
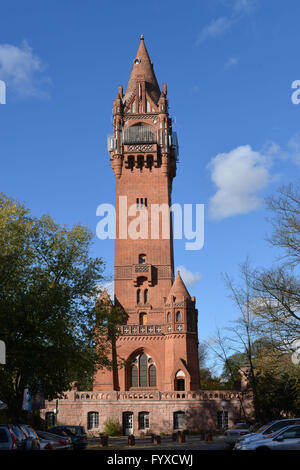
(143, 136)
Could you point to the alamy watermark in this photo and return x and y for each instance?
(296, 94)
(2, 92)
(153, 222)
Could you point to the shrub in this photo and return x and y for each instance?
(112, 428)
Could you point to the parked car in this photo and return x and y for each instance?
(50, 441)
(11, 438)
(32, 441)
(235, 433)
(269, 429)
(77, 434)
(287, 438)
(241, 426)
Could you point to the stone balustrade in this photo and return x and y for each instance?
(153, 395)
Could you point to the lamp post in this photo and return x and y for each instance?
(223, 404)
(56, 411)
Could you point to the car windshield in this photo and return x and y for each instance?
(291, 433)
(23, 430)
(277, 426)
(68, 432)
(262, 428)
(274, 434)
(75, 430)
(31, 432)
(19, 435)
(60, 432)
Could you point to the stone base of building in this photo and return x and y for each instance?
(166, 411)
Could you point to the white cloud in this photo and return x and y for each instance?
(219, 26)
(189, 278)
(243, 6)
(21, 70)
(215, 28)
(239, 176)
(231, 62)
(294, 148)
(290, 152)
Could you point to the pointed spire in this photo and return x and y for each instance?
(104, 297)
(178, 290)
(142, 69)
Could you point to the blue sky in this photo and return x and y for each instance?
(229, 66)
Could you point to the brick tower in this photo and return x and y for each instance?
(159, 389)
(159, 340)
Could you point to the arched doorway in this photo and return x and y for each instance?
(143, 318)
(179, 384)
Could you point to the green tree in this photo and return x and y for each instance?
(279, 396)
(232, 368)
(48, 288)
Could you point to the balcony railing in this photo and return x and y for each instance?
(133, 135)
(142, 268)
(153, 329)
(139, 135)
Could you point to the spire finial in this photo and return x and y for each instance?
(142, 67)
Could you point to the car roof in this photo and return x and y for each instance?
(278, 421)
(284, 419)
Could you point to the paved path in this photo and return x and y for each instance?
(192, 443)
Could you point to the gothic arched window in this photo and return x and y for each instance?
(146, 296)
(138, 296)
(134, 376)
(152, 376)
(143, 370)
(178, 316)
(169, 317)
